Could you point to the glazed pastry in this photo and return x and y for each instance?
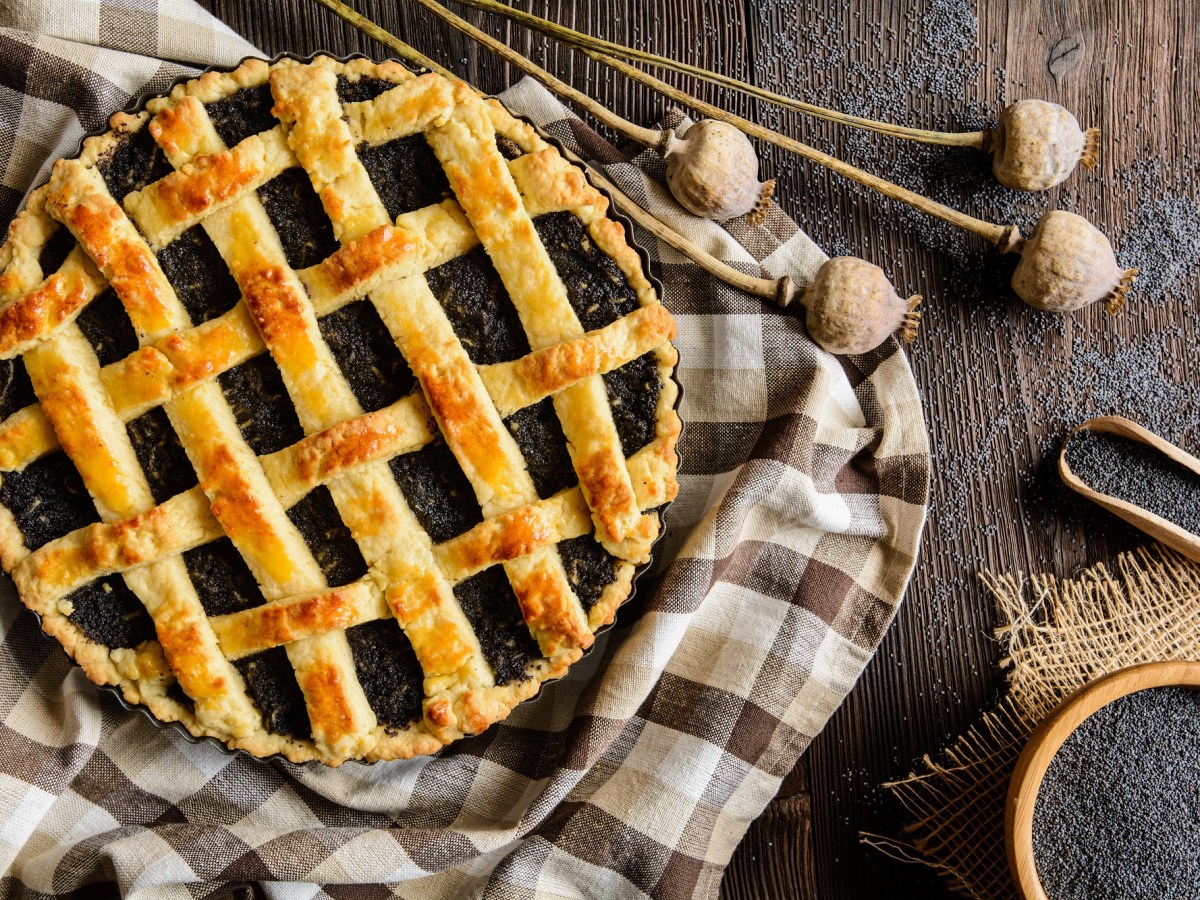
(337, 412)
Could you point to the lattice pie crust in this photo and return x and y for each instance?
(255, 647)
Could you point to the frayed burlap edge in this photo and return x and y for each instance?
(1058, 636)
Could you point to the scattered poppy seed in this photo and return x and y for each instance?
(1164, 239)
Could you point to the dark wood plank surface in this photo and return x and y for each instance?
(1002, 384)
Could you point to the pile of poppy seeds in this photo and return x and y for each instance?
(1118, 811)
(1131, 471)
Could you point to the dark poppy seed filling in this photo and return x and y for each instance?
(367, 355)
(56, 251)
(328, 538)
(388, 670)
(242, 114)
(133, 163)
(508, 148)
(437, 491)
(271, 683)
(406, 174)
(362, 88)
(479, 309)
(222, 579)
(161, 456)
(299, 219)
(109, 613)
(47, 498)
(596, 288)
(107, 328)
(261, 405)
(539, 434)
(199, 275)
(491, 607)
(16, 390)
(633, 393)
(589, 567)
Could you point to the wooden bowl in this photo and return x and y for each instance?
(1050, 735)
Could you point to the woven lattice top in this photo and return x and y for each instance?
(376, 570)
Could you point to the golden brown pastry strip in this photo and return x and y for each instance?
(66, 378)
(296, 618)
(551, 370)
(159, 372)
(52, 304)
(418, 241)
(341, 718)
(490, 198)
(407, 109)
(372, 504)
(472, 427)
(80, 200)
(169, 207)
(515, 534)
(403, 427)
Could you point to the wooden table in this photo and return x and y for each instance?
(1000, 382)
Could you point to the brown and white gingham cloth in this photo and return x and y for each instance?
(803, 491)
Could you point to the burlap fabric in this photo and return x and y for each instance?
(803, 495)
(1058, 636)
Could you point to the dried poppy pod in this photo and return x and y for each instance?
(851, 307)
(1067, 264)
(713, 172)
(1038, 144)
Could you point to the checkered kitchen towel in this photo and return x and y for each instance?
(803, 495)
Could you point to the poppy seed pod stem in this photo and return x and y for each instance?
(1048, 140)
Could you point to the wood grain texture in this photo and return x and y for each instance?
(998, 380)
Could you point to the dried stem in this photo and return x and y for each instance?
(1006, 237)
(645, 136)
(912, 320)
(385, 37)
(978, 139)
(781, 291)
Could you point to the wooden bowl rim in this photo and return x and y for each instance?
(1050, 735)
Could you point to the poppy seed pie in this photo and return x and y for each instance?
(337, 413)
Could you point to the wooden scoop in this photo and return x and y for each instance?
(1050, 735)
(1160, 529)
